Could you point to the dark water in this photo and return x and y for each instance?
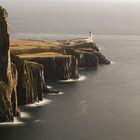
(106, 105)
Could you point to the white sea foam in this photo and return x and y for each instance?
(112, 62)
(40, 121)
(69, 80)
(49, 87)
(40, 103)
(16, 122)
(81, 78)
(25, 115)
(82, 68)
(56, 94)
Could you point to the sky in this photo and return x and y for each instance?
(8, 2)
(75, 0)
(57, 16)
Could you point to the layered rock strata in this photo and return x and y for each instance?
(56, 66)
(31, 83)
(88, 54)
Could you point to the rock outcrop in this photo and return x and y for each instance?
(31, 83)
(4, 47)
(87, 54)
(56, 66)
(8, 74)
(60, 61)
(85, 59)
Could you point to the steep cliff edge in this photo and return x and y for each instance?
(8, 74)
(4, 46)
(30, 84)
(56, 66)
(88, 54)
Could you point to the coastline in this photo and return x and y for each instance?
(60, 63)
(28, 65)
(66, 60)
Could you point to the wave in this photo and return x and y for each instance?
(40, 121)
(52, 94)
(16, 122)
(40, 103)
(81, 78)
(49, 87)
(112, 62)
(25, 115)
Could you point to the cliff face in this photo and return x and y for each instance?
(87, 54)
(31, 83)
(85, 59)
(56, 67)
(59, 68)
(4, 46)
(8, 74)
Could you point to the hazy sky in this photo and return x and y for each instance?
(73, 16)
(75, 0)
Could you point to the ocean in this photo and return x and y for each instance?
(105, 103)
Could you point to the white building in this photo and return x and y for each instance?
(90, 37)
(77, 41)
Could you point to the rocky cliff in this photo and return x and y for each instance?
(8, 74)
(56, 66)
(60, 62)
(30, 84)
(87, 54)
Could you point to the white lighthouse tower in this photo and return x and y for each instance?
(90, 37)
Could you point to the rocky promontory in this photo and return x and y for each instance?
(60, 61)
(56, 66)
(27, 65)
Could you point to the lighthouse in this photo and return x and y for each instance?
(90, 38)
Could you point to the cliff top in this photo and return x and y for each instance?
(30, 44)
(28, 49)
(42, 55)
